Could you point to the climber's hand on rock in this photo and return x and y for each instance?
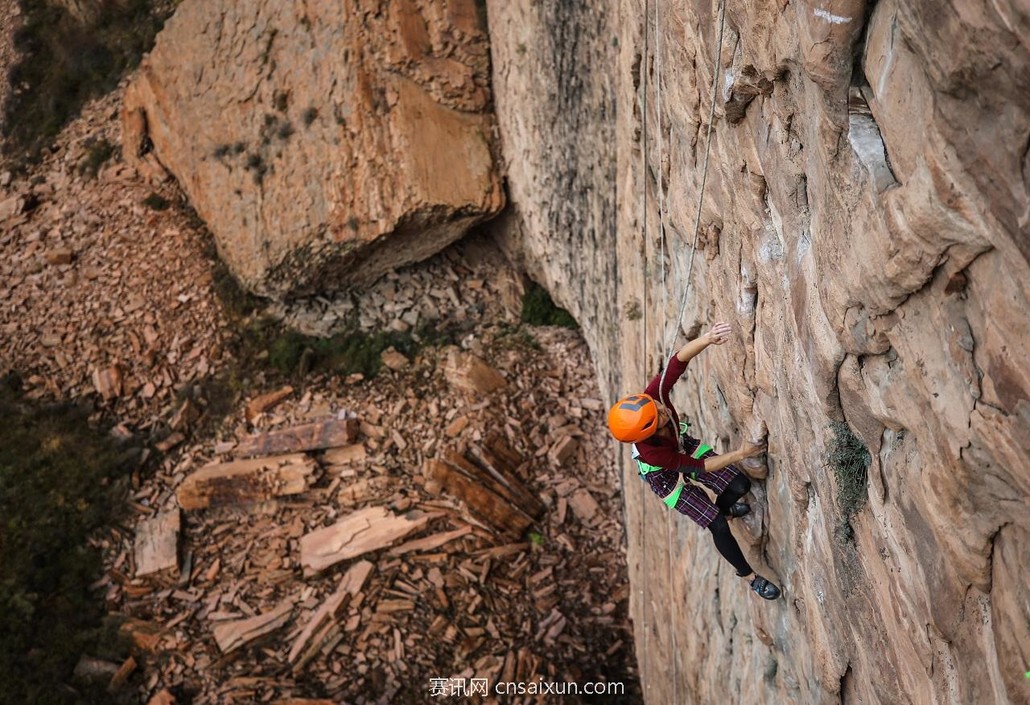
(751, 450)
(719, 333)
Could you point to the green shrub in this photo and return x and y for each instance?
(539, 309)
(58, 480)
(294, 354)
(65, 61)
(849, 459)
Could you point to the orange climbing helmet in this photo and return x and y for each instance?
(633, 418)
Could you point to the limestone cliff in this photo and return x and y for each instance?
(865, 231)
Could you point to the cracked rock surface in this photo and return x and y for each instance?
(326, 143)
(864, 230)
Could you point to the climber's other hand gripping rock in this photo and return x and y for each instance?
(719, 333)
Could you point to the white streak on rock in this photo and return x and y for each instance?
(829, 16)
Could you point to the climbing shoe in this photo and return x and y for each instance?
(738, 510)
(764, 588)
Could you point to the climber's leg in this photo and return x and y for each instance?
(730, 484)
(730, 550)
(694, 503)
(728, 547)
(737, 488)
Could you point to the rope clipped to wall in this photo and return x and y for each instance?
(669, 335)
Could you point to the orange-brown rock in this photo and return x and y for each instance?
(359, 532)
(324, 143)
(471, 373)
(241, 481)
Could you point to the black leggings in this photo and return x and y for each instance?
(737, 488)
(728, 546)
(724, 541)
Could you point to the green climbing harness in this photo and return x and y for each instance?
(673, 497)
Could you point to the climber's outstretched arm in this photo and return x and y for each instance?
(718, 335)
(718, 462)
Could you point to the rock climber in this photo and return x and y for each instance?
(670, 460)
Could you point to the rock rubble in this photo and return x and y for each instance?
(125, 316)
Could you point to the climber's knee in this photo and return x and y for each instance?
(719, 526)
(739, 486)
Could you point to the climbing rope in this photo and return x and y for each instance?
(661, 156)
(668, 336)
(701, 195)
(643, 201)
(665, 289)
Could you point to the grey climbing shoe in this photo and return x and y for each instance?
(764, 588)
(738, 510)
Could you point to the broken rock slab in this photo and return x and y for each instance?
(264, 402)
(323, 624)
(345, 455)
(360, 532)
(471, 373)
(108, 382)
(253, 480)
(157, 544)
(320, 435)
(162, 697)
(484, 496)
(236, 633)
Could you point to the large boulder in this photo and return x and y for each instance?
(323, 143)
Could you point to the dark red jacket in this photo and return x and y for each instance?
(665, 452)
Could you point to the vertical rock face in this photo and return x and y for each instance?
(323, 143)
(865, 230)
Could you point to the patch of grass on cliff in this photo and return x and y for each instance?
(539, 309)
(849, 460)
(59, 482)
(67, 60)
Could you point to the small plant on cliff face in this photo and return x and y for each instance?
(285, 130)
(849, 460)
(256, 164)
(281, 101)
(309, 115)
(633, 311)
